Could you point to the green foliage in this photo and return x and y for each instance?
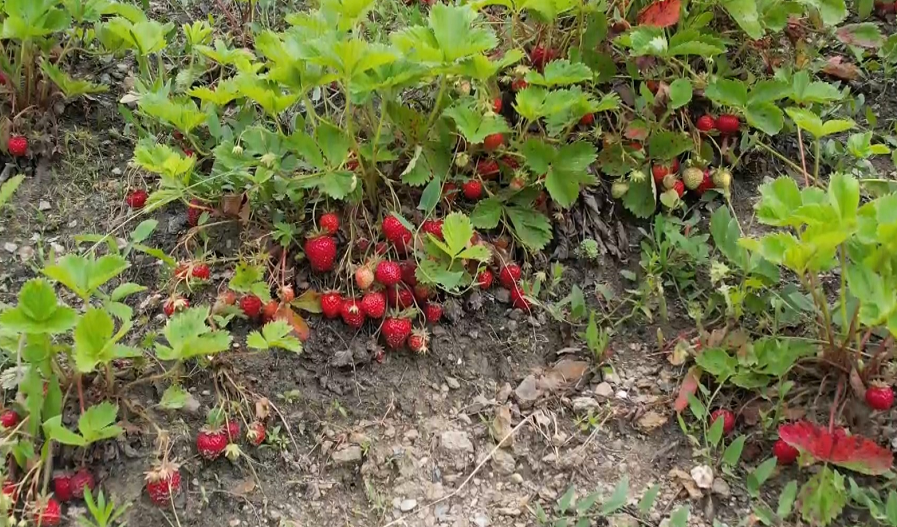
(446, 263)
(95, 424)
(188, 336)
(276, 334)
(103, 512)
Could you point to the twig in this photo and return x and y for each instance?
(469, 477)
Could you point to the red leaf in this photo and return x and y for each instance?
(663, 13)
(853, 452)
(836, 67)
(689, 387)
(300, 327)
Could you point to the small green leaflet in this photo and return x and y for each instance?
(276, 334)
(38, 311)
(472, 123)
(174, 398)
(560, 73)
(188, 336)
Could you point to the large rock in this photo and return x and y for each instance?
(349, 454)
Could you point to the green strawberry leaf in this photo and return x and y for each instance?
(472, 123)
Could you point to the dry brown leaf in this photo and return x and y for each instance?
(836, 67)
(684, 479)
(564, 374)
(300, 327)
(243, 487)
(652, 420)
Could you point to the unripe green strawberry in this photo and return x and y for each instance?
(722, 179)
(692, 177)
(669, 181)
(619, 189)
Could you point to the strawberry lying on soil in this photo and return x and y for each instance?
(136, 199)
(432, 312)
(418, 341)
(47, 512)
(251, 306)
(256, 433)
(373, 304)
(509, 275)
(163, 482)
(785, 454)
(62, 487)
(396, 330)
(352, 313)
(211, 442)
(880, 397)
(518, 299)
(484, 279)
(80, 480)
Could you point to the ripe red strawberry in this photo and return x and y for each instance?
(47, 513)
(388, 273)
(269, 310)
(321, 253)
(880, 397)
(373, 304)
(518, 299)
(136, 198)
(540, 56)
(496, 105)
(194, 212)
(727, 123)
(449, 192)
(17, 146)
(512, 163)
(422, 292)
(509, 275)
(396, 331)
(364, 277)
(81, 480)
(728, 419)
(352, 163)
(706, 184)
(11, 490)
(433, 227)
(201, 271)
(679, 187)
(785, 454)
(353, 314)
(62, 487)
(251, 306)
(674, 166)
(409, 268)
(706, 123)
(9, 419)
(210, 443)
(163, 482)
(418, 341)
(587, 119)
(189, 153)
(287, 294)
(518, 84)
(256, 433)
(658, 172)
(331, 304)
(493, 141)
(399, 296)
(233, 430)
(329, 222)
(484, 279)
(396, 232)
(487, 168)
(175, 305)
(472, 189)
(432, 312)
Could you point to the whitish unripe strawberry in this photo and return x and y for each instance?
(619, 189)
(692, 177)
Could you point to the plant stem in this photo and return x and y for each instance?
(442, 84)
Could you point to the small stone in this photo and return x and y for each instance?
(481, 520)
(411, 435)
(456, 441)
(453, 383)
(503, 393)
(407, 505)
(702, 476)
(10, 247)
(526, 391)
(584, 404)
(503, 462)
(622, 395)
(349, 454)
(720, 487)
(116, 171)
(43, 205)
(516, 478)
(605, 390)
(234, 523)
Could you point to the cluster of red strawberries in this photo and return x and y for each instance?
(725, 124)
(219, 432)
